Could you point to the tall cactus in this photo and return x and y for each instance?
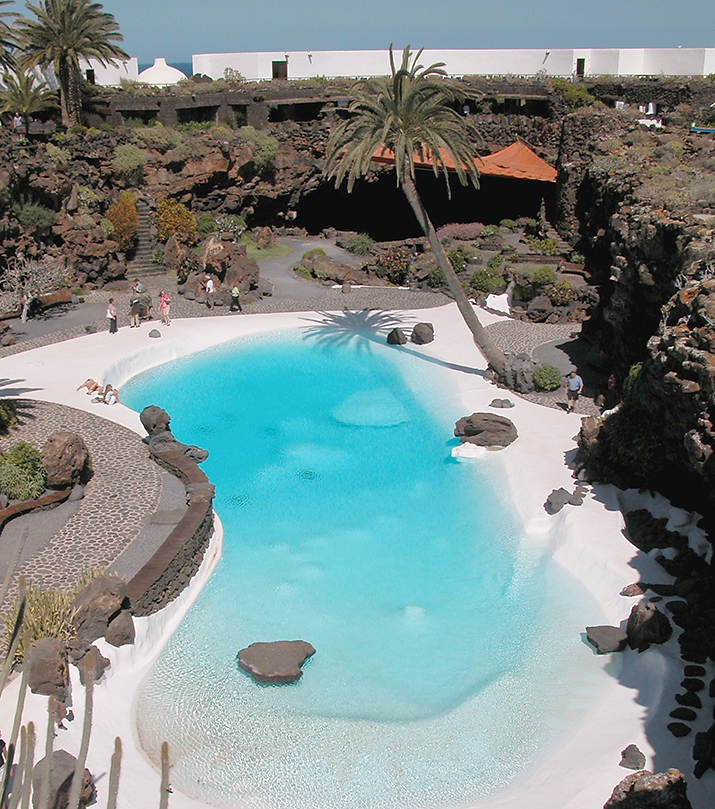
(19, 771)
(165, 788)
(27, 777)
(44, 801)
(15, 638)
(13, 565)
(114, 774)
(76, 790)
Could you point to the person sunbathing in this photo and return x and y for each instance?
(91, 385)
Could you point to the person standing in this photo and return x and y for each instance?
(134, 305)
(164, 302)
(574, 388)
(236, 299)
(209, 292)
(112, 316)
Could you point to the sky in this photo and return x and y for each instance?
(176, 29)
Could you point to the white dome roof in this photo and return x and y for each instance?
(160, 74)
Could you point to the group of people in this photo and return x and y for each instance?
(210, 288)
(135, 308)
(103, 395)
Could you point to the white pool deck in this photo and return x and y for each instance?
(587, 540)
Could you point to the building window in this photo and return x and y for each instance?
(89, 75)
(280, 70)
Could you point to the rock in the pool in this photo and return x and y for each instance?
(279, 662)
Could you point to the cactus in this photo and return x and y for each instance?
(165, 788)
(20, 706)
(114, 774)
(78, 777)
(15, 637)
(44, 800)
(17, 780)
(13, 564)
(27, 777)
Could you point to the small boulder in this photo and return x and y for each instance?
(396, 338)
(99, 665)
(539, 308)
(646, 625)
(632, 590)
(632, 758)
(47, 668)
(97, 605)
(62, 768)
(684, 714)
(679, 729)
(76, 494)
(607, 639)
(486, 430)
(279, 662)
(557, 500)
(155, 333)
(422, 333)
(65, 458)
(644, 790)
(120, 630)
(690, 699)
(501, 403)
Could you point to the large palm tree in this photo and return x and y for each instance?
(64, 32)
(21, 94)
(411, 114)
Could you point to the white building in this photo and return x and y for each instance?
(535, 62)
(112, 74)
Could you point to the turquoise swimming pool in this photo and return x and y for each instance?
(448, 654)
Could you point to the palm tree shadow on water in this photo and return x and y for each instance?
(365, 328)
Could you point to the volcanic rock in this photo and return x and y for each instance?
(644, 790)
(65, 458)
(62, 769)
(632, 758)
(486, 430)
(396, 338)
(607, 639)
(422, 334)
(518, 373)
(646, 625)
(97, 605)
(279, 662)
(48, 672)
(156, 422)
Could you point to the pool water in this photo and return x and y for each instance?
(449, 652)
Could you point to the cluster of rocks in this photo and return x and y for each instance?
(221, 258)
(422, 333)
(561, 497)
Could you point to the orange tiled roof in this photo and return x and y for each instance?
(517, 161)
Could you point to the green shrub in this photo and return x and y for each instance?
(436, 278)
(86, 197)
(264, 147)
(547, 247)
(560, 294)
(318, 250)
(489, 230)
(304, 271)
(457, 259)
(573, 95)
(128, 161)
(172, 217)
(230, 223)
(8, 415)
(205, 224)
(487, 280)
(56, 154)
(531, 228)
(543, 275)
(33, 216)
(546, 377)
(107, 225)
(394, 265)
(48, 613)
(157, 255)
(495, 262)
(124, 218)
(158, 137)
(22, 474)
(360, 244)
(509, 224)
(195, 127)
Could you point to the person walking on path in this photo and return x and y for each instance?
(135, 305)
(164, 303)
(574, 388)
(235, 299)
(112, 316)
(209, 292)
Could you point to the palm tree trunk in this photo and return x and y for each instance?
(493, 355)
(70, 101)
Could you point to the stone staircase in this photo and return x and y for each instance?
(142, 264)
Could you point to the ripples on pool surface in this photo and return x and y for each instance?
(448, 650)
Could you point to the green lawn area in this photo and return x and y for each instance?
(253, 250)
